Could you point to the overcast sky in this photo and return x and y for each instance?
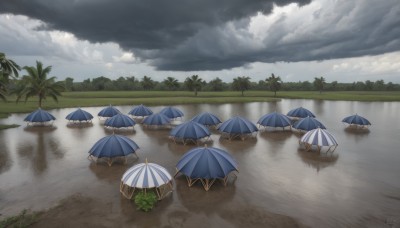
(343, 40)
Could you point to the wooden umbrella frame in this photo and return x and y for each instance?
(110, 160)
(161, 191)
(207, 183)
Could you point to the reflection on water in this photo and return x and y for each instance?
(5, 160)
(51, 164)
(196, 199)
(36, 152)
(318, 160)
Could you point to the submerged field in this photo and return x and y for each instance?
(101, 98)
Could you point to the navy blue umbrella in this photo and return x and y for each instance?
(308, 124)
(120, 121)
(237, 126)
(207, 119)
(140, 111)
(113, 146)
(300, 113)
(356, 120)
(79, 115)
(189, 131)
(207, 165)
(274, 120)
(172, 112)
(39, 116)
(157, 119)
(109, 111)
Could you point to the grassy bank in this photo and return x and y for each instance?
(85, 99)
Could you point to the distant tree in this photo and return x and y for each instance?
(334, 85)
(194, 83)
(379, 85)
(37, 84)
(8, 68)
(274, 83)
(369, 85)
(216, 84)
(319, 83)
(241, 84)
(147, 83)
(69, 82)
(99, 83)
(171, 83)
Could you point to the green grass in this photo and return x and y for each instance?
(6, 126)
(23, 219)
(152, 98)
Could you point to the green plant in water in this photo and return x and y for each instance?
(21, 220)
(145, 201)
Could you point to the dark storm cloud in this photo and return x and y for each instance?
(213, 35)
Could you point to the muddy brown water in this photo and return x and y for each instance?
(358, 185)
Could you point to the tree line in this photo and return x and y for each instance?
(36, 82)
(242, 83)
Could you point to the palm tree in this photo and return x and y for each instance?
(241, 84)
(171, 83)
(319, 83)
(37, 84)
(194, 83)
(8, 67)
(147, 83)
(3, 88)
(274, 83)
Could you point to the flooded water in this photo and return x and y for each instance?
(358, 185)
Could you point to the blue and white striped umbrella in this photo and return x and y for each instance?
(207, 119)
(79, 115)
(120, 121)
(39, 116)
(157, 119)
(146, 175)
(109, 111)
(319, 137)
(300, 113)
(172, 112)
(140, 111)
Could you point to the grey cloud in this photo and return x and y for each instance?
(213, 35)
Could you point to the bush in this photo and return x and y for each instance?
(145, 201)
(24, 219)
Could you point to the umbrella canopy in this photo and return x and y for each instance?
(109, 111)
(79, 115)
(206, 164)
(145, 176)
(113, 146)
(238, 126)
(356, 120)
(119, 121)
(274, 120)
(172, 112)
(157, 119)
(307, 124)
(320, 138)
(190, 131)
(207, 119)
(300, 113)
(39, 116)
(141, 111)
